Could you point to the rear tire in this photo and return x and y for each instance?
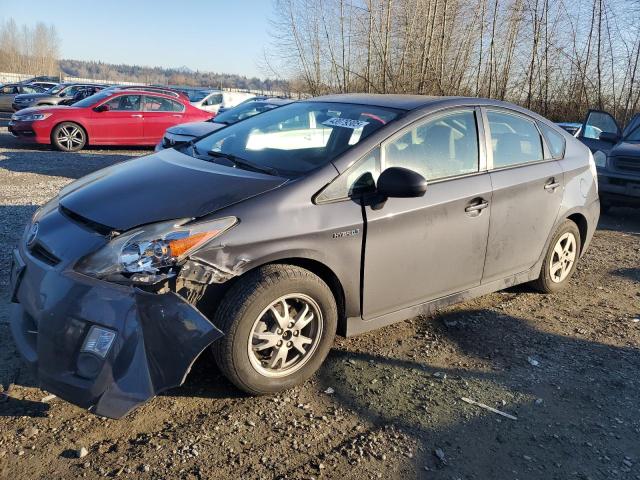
(560, 260)
(279, 323)
(68, 137)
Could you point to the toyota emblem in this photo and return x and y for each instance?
(33, 234)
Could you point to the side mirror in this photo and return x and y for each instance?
(609, 137)
(398, 182)
(102, 108)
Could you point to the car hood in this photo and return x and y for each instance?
(45, 109)
(195, 129)
(165, 186)
(626, 149)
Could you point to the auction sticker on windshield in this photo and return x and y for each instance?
(345, 123)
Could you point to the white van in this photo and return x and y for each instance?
(212, 100)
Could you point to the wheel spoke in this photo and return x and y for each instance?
(300, 341)
(282, 319)
(555, 267)
(268, 339)
(303, 318)
(279, 357)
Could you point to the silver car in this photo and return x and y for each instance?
(262, 240)
(9, 92)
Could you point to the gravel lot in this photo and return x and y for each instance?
(385, 405)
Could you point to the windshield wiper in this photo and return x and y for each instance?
(247, 165)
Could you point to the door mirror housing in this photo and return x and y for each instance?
(102, 108)
(610, 137)
(398, 182)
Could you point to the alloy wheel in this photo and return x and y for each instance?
(563, 257)
(70, 137)
(285, 335)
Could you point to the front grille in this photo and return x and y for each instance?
(626, 165)
(44, 255)
(85, 222)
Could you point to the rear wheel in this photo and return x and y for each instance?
(69, 137)
(561, 259)
(279, 324)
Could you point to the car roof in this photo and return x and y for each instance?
(414, 102)
(151, 91)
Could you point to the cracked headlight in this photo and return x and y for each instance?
(146, 254)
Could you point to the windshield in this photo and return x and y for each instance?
(93, 99)
(242, 111)
(55, 89)
(634, 135)
(197, 95)
(296, 138)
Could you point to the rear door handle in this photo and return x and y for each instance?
(136, 115)
(551, 185)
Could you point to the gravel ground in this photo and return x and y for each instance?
(385, 405)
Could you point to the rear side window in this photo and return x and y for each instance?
(515, 140)
(214, 100)
(160, 104)
(555, 141)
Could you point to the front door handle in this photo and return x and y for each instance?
(551, 185)
(136, 115)
(477, 207)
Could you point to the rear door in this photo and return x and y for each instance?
(121, 124)
(595, 123)
(160, 113)
(527, 192)
(420, 249)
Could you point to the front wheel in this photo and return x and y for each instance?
(69, 137)
(561, 259)
(279, 323)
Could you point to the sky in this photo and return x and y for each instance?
(209, 35)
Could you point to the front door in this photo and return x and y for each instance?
(420, 249)
(527, 191)
(121, 124)
(596, 123)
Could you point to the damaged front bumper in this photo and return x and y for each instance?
(157, 336)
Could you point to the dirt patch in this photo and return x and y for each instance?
(386, 404)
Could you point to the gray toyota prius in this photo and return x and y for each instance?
(262, 240)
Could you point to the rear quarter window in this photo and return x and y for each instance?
(555, 141)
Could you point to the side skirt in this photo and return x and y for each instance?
(356, 325)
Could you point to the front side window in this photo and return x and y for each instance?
(27, 89)
(125, 103)
(160, 104)
(296, 138)
(514, 139)
(214, 100)
(441, 147)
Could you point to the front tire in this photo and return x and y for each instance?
(279, 323)
(68, 137)
(561, 259)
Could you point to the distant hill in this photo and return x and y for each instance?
(166, 76)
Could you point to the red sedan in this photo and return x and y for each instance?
(110, 117)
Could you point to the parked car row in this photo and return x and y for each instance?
(113, 116)
(616, 154)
